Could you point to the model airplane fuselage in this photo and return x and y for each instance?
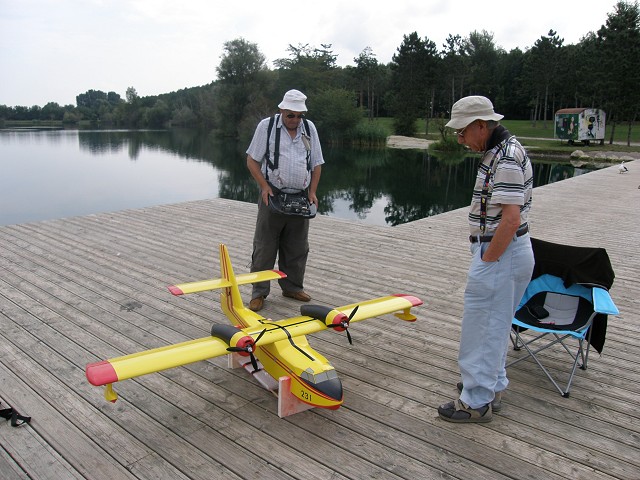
(280, 346)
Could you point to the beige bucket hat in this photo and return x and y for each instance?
(468, 109)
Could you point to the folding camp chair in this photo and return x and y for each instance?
(566, 301)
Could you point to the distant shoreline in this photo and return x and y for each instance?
(577, 157)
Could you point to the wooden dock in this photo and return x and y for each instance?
(78, 290)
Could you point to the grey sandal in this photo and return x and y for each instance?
(459, 412)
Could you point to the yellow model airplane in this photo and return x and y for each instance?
(279, 347)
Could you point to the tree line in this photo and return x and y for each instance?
(421, 82)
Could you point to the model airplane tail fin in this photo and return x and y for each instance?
(230, 297)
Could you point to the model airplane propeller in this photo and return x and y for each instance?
(342, 326)
(247, 349)
(280, 348)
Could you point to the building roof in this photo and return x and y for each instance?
(574, 110)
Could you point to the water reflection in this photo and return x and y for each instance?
(132, 169)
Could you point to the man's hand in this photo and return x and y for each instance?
(265, 188)
(504, 233)
(265, 193)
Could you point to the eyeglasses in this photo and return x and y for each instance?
(293, 115)
(460, 133)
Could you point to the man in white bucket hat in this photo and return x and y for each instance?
(502, 261)
(284, 157)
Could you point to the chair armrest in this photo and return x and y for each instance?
(602, 302)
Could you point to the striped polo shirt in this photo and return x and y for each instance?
(510, 183)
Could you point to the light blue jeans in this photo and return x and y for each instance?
(492, 294)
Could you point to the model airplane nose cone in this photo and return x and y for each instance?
(331, 388)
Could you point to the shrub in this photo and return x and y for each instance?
(369, 134)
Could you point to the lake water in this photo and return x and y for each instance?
(50, 174)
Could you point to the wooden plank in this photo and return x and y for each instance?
(24, 446)
(75, 455)
(9, 468)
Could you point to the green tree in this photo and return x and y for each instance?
(158, 115)
(242, 78)
(5, 112)
(183, 116)
(88, 103)
(367, 73)
(97, 105)
(482, 64)
(619, 46)
(131, 95)
(71, 116)
(35, 113)
(308, 69)
(510, 100)
(543, 64)
(335, 114)
(575, 77)
(586, 79)
(20, 113)
(52, 111)
(413, 69)
(129, 112)
(454, 59)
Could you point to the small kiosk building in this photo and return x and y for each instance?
(580, 125)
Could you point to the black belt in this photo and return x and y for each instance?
(487, 238)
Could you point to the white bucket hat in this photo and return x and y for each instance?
(293, 100)
(468, 109)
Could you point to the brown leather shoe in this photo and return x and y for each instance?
(256, 304)
(300, 296)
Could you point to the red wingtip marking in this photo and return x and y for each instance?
(415, 301)
(282, 274)
(101, 373)
(175, 290)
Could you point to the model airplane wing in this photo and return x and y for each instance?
(315, 318)
(154, 360)
(382, 306)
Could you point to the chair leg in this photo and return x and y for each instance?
(546, 372)
(586, 354)
(514, 336)
(579, 355)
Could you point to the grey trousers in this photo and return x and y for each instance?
(285, 237)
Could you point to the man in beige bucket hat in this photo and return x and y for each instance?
(502, 258)
(468, 109)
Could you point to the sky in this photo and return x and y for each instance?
(53, 50)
